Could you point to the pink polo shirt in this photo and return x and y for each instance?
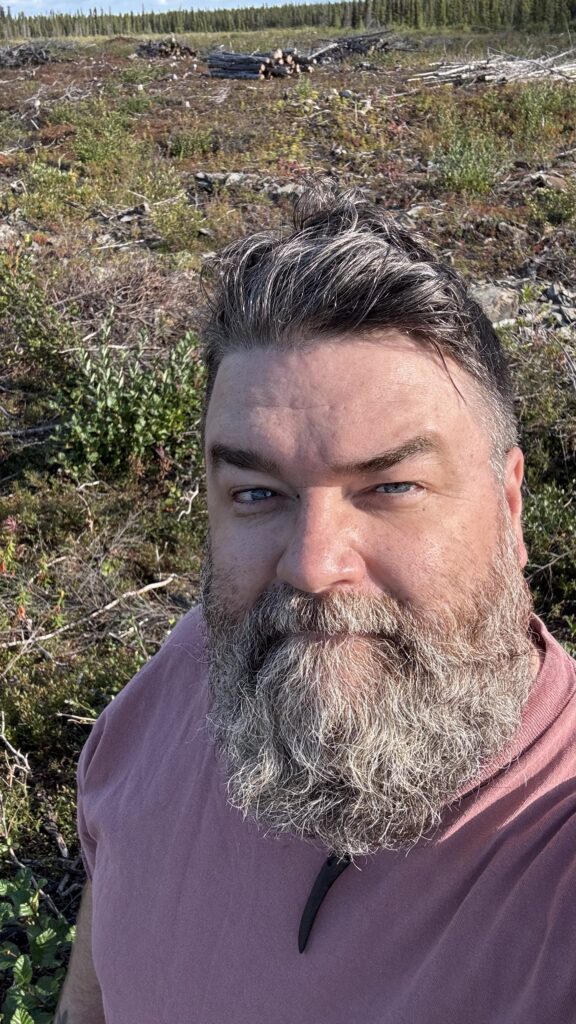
(196, 912)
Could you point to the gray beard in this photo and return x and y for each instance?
(352, 721)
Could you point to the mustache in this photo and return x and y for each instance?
(283, 618)
(284, 612)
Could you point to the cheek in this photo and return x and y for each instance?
(243, 561)
(435, 562)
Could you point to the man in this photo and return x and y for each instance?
(343, 791)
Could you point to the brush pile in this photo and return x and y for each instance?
(501, 68)
(370, 42)
(26, 55)
(279, 64)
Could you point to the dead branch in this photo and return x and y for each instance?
(35, 638)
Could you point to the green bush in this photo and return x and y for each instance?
(470, 161)
(550, 534)
(200, 142)
(537, 110)
(54, 195)
(102, 142)
(34, 947)
(33, 340)
(30, 326)
(554, 206)
(123, 414)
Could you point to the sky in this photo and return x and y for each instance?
(120, 6)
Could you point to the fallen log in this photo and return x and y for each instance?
(231, 58)
(501, 68)
(238, 66)
(237, 74)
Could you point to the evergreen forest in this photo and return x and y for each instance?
(487, 15)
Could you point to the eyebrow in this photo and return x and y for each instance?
(249, 458)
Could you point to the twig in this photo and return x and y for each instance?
(29, 641)
(29, 431)
(189, 498)
(21, 759)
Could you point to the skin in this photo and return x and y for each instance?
(81, 999)
(423, 530)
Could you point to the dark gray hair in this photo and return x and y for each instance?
(348, 268)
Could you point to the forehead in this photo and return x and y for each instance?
(342, 397)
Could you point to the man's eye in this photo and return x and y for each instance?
(252, 495)
(399, 488)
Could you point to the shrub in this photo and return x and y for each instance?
(536, 114)
(541, 363)
(550, 533)
(470, 161)
(200, 142)
(554, 206)
(101, 138)
(55, 194)
(33, 336)
(179, 224)
(34, 947)
(125, 414)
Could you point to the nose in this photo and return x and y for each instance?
(322, 551)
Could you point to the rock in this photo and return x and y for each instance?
(290, 189)
(512, 231)
(420, 212)
(8, 237)
(497, 302)
(569, 314)
(552, 181)
(126, 216)
(558, 295)
(235, 178)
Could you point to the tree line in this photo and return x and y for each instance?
(547, 15)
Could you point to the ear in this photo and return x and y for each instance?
(513, 477)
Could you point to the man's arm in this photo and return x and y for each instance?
(81, 997)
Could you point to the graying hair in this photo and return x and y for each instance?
(346, 269)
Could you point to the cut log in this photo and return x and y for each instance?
(255, 76)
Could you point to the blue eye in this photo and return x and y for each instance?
(257, 494)
(400, 488)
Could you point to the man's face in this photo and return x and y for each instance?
(363, 588)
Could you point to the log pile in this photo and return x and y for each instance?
(282, 63)
(158, 48)
(279, 64)
(370, 42)
(25, 56)
(501, 68)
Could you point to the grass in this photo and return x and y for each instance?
(102, 516)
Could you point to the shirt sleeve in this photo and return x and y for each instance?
(88, 842)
